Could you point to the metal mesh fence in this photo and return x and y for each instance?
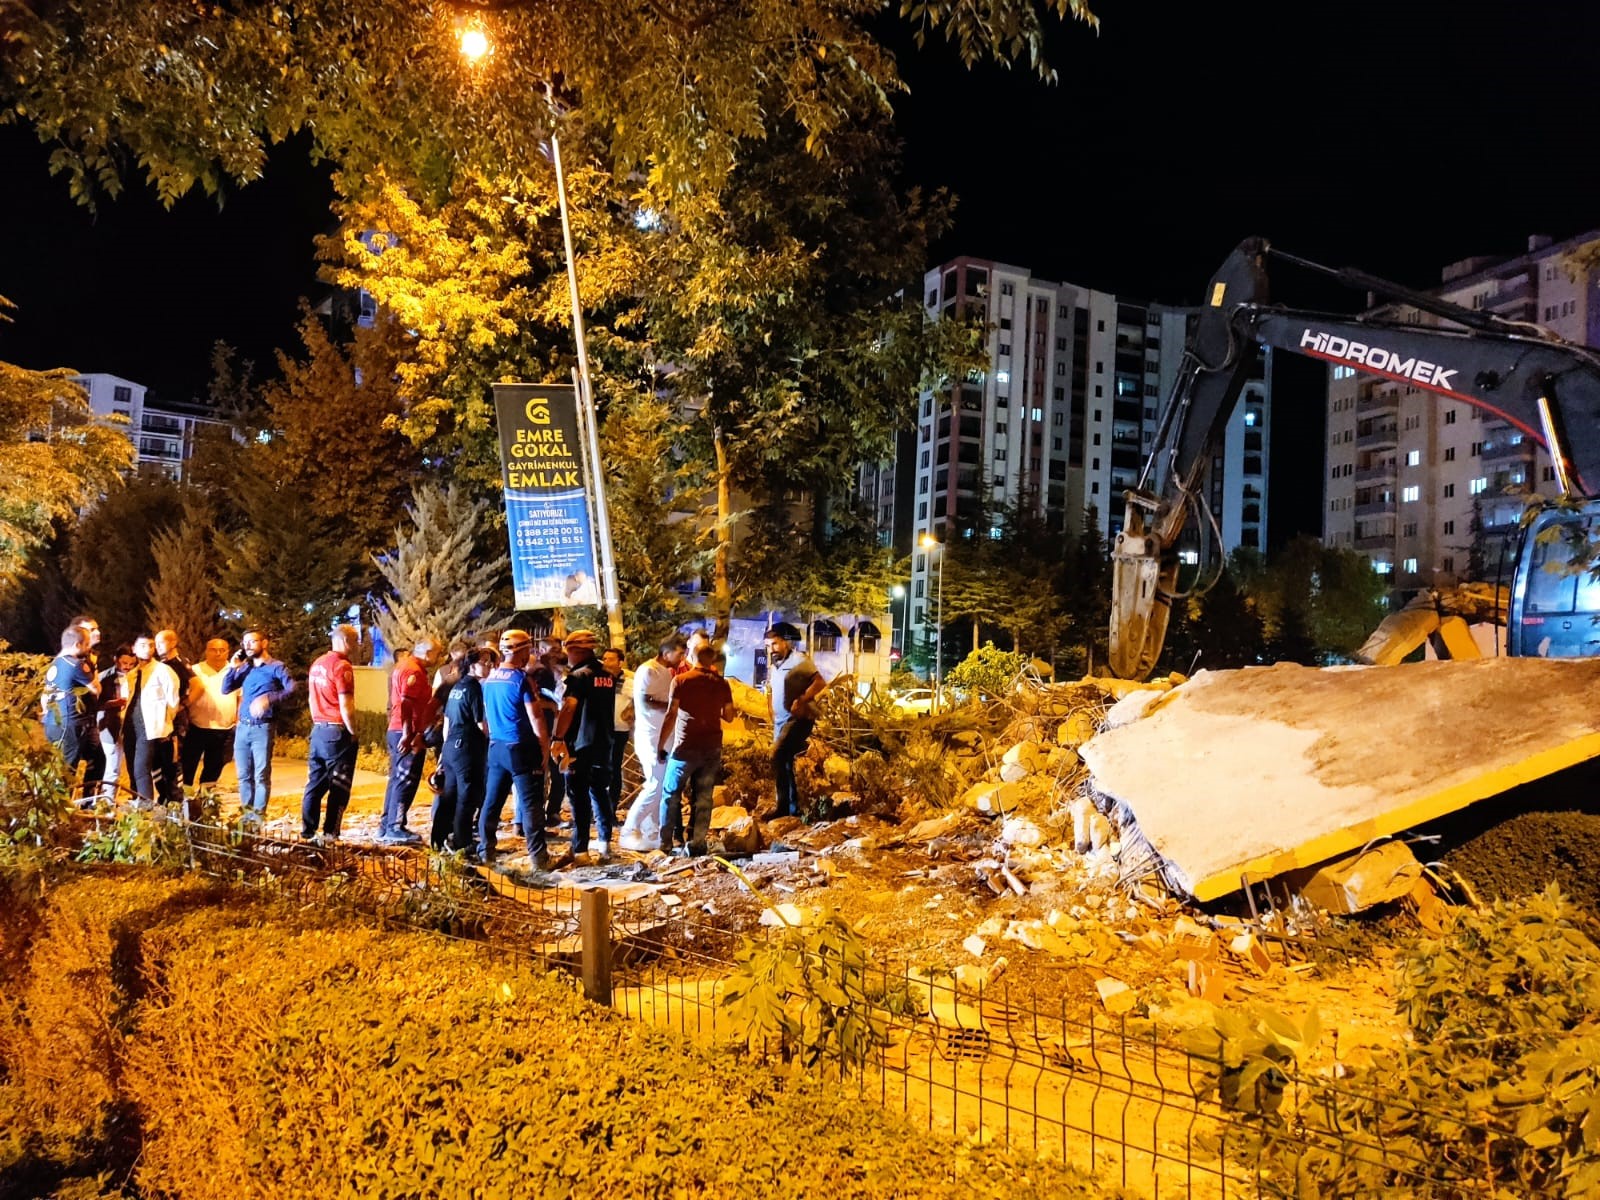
(1105, 1094)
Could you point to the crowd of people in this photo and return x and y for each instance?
(541, 724)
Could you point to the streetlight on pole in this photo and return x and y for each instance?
(898, 641)
(934, 546)
(475, 46)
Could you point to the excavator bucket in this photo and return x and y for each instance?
(1140, 599)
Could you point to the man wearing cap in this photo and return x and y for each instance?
(793, 684)
(331, 764)
(582, 741)
(517, 740)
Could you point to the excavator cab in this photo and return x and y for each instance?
(1555, 597)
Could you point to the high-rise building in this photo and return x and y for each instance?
(163, 435)
(1414, 481)
(1060, 422)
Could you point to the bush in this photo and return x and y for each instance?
(1500, 1079)
(987, 671)
(274, 1056)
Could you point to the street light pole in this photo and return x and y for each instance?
(898, 641)
(933, 546)
(608, 564)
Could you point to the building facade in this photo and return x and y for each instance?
(1059, 423)
(164, 436)
(1414, 481)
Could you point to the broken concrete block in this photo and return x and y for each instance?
(1117, 997)
(1430, 909)
(1205, 980)
(975, 946)
(992, 928)
(1062, 759)
(1013, 772)
(992, 797)
(1250, 950)
(1076, 730)
(1130, 708)
(934, 827)
(1019, 831)
(1100, 832)
(1082, 810)
(837, 768)
(726, 814)
(781, 858)
(1376, 875)
(743, 836)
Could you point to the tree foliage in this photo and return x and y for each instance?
(194, 94)
(183, 591)
(55, 456)
(439, 585)
(110, 556)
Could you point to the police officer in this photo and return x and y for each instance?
(583, 741)
(517, 739)
(463, 756)
(71, 692)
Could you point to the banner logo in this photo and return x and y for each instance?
(547, 502)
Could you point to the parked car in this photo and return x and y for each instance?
(916, 702)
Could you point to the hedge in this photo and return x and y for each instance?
(263, 1054)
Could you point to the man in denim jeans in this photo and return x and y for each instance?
(691, 746)
(262, 682)
(793, 684)
(411, 715)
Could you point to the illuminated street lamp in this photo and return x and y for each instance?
(898, 642)
(474, 43)
(934, 546)
(475, 47)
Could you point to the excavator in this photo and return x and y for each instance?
(1544, 386)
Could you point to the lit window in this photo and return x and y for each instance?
(1410, 566)
(1002, 376)
(1414, 458)
(1249, 417)
(1479, 486)
(1038, 414)
(1189, 558)
(1410, 494)
(1382, 568)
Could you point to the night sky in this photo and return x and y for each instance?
(1394, 136)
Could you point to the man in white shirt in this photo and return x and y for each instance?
(212, 717)
(652, 691)
(153, 700)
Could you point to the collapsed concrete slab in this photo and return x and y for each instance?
(1266, 770)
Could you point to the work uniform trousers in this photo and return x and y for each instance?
(405, 776)
(518, 765)
(588, 787)
(696, 771)
(553, 787)
(789, 744)
(147, 756)
(111, 756)
(205, 751)
(330, 767)
(252, 758)
(455, 809)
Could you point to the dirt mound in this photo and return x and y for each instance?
(1525, 852)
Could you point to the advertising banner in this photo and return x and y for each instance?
(547, 505)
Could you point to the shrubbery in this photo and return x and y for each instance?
(258, 1054)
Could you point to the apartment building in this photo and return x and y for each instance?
(1061, 420)
(163, 435)
(1412, 479)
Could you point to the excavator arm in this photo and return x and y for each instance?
(1545, 387)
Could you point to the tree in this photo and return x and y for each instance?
(196, 93)
(55, 456)
(1224, 627)
(439, 586)
(288, 571)
(110, 559)
(183, 590)
(659, 516)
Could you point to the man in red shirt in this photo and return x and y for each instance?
(691, 747)
(332, 687)
(411, 716)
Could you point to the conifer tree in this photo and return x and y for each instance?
(183, 591)
(439, 585)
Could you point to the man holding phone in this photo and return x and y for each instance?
(262, 682)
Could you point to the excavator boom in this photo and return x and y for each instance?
(1546, 388)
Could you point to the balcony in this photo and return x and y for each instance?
(1379, 437)
(1372, 399)
(1376, 508)
(1502, 453)
(165, 425)
(1382, 541)
(1377, 473)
